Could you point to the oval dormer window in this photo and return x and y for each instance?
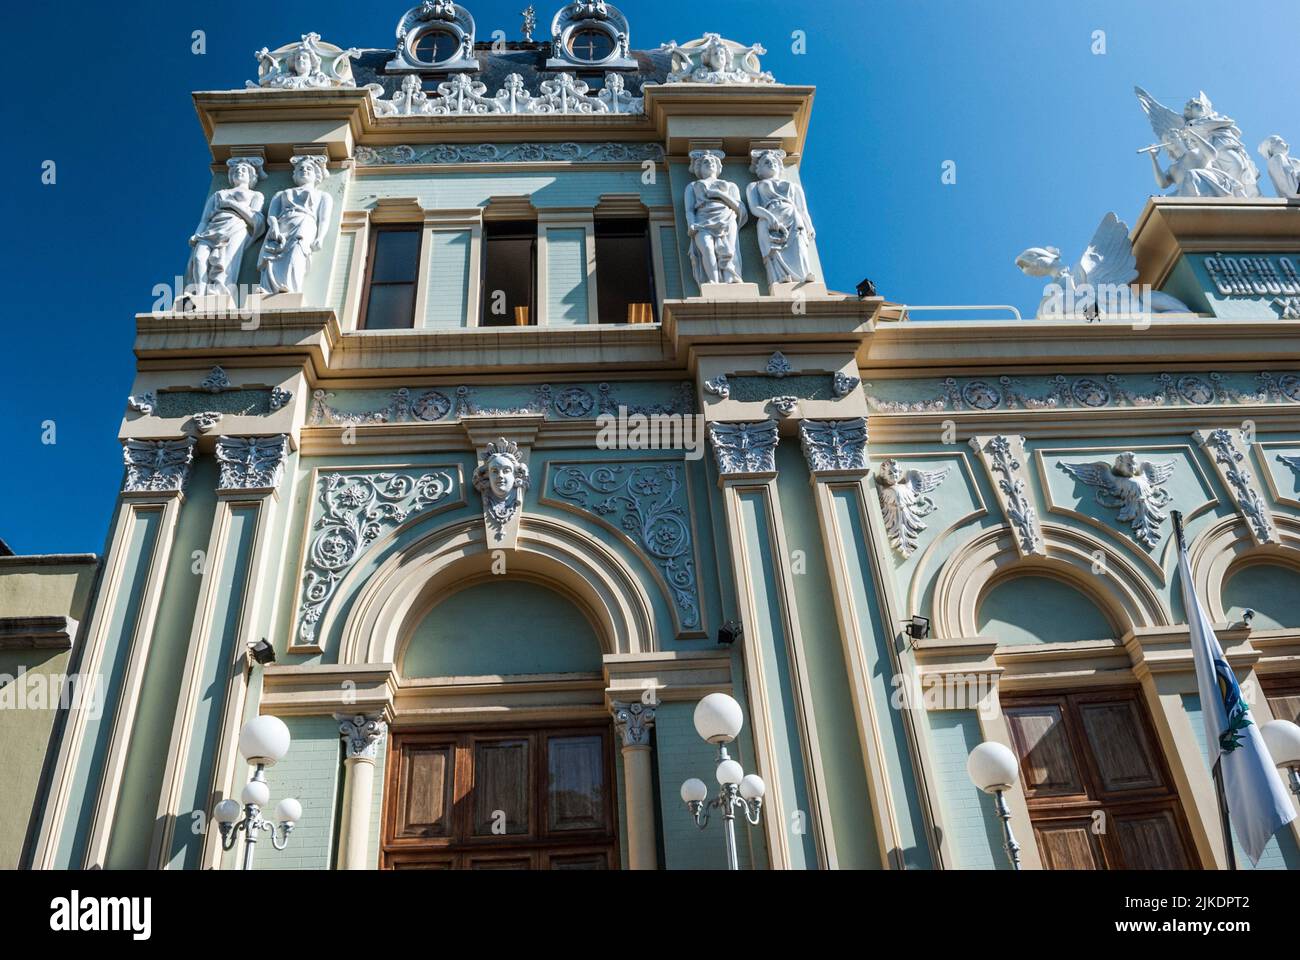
(435, 46)
(591, 45)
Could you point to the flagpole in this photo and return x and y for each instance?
(1224, 820)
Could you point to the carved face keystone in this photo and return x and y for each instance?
(501, 476)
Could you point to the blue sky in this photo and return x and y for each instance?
(1042, 131)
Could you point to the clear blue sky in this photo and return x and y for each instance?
(1043, 133)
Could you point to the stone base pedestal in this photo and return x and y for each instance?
(728, 291)
(788, 291)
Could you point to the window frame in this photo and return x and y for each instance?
(372, 242)
(500, 228)
(652, 280)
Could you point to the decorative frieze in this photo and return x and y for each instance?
(1090, 392)
(460, 96)
(361, 736)
(648, 503)
(834, 444)
(157, 466)
(1004, 459)
(355, 510)
(458, 153)
(904, 501)
(744, 447)
(251, 463)
(633, 722)
(560, 402)
(1131, 487)
(1227, 449)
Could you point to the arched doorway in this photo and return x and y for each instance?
(520, 790)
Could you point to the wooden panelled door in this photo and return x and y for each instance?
(528, 799)
(1283, 694)
(1099, 793)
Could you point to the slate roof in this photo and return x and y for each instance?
(526, 59)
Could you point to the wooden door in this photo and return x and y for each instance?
(493, 799)
(1283, 694)
(1100, 796)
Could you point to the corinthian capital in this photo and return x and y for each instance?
(361, 735)
(633, 721)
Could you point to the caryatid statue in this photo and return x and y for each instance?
(781, 212)
(296, 222)
(232, 219)
(714, 216)
(1283, 169)
(1206, 155)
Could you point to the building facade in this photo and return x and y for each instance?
(504, 399)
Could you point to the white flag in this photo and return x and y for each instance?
(1258, 803)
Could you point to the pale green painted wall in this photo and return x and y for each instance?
(856, 845)
(141, 539)
(1271, 590)
(467, 636)
(974, 835)
(1029, 609)
(448, 279)
(312, 772)
(566, 277)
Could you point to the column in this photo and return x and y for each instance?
(361, 737)
(633, 722)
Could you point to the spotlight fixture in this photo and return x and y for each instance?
(1248, 616)
(262, 652)
(730, 632)
(867, 288)
(918, 628)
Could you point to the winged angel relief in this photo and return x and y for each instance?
(1099, 280)
(1131, 487)
(903, 501)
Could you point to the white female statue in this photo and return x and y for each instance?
(296, 223)
(714, 216)
(1283, 169)
(232, 219)
(784, 227)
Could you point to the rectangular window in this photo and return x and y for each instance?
(624, 272)
(509, 274)
(391, 277)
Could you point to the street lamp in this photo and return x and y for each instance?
(993, 768)
(263, 741)
(1282, 737)
(718, 718)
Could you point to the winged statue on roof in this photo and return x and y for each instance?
(1206, 155)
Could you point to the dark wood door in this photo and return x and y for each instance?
(1283, 694)
(489, 799)
(1099, 793)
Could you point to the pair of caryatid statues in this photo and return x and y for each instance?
(715, 214)
(295, 225)
(1206, 155)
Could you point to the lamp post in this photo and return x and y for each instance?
(993, 768)
(718, 718)
(1282, 737)
(263, 741)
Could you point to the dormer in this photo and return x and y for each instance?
(435, 38)
(590, 36)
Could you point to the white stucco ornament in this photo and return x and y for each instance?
(1133, 488)
(904, 501)
(1283, 169)
(501, 479)
(307, 65)
(437, 35)
(711, 59)
(714, 216)
(231, 220)
(1206, 155)
(296, 223)
(780, 210)
(1102, 276)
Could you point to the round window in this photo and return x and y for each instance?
(435, 46)
(591, 45)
